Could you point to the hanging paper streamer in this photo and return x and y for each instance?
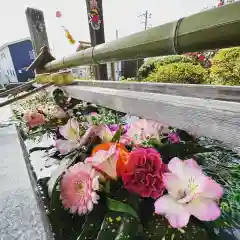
(69, 36)
(94, 17)
(67, 33)
(220, 3)
(58, 14)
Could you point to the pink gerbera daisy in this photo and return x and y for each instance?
(78, 188)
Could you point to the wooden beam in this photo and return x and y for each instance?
(201, 117)
(226, 93)
(37, 29)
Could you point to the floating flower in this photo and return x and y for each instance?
(143, 129)
(143, 173)
(173, 137)
(104, 133)
(122, 155)
(71, 133)
(105, 158)
(34, 119)
(78, 188)
(190, 192)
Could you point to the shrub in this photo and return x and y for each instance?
(182, 72)
(225, 68)
(151, 64)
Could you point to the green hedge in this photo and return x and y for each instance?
(150, 65)
(181, 72)
(225, 68)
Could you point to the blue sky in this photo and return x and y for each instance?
(118, 14)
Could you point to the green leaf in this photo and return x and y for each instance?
(117, 135)
(129, 229)
(110, 226)
(93, 223)
(181, 150)
(157, 227)
(119, 226)
(121, 207)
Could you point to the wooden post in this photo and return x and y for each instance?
(98, 37)
(113, 75)
(37, 29)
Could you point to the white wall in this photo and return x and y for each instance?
(7, 71)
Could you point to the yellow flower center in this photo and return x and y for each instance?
(192, 185)
(72, 133)
(80, 188)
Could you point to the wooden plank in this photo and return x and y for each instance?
(37, 29)
(226, 93)
(201, 117)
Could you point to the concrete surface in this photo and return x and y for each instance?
(19, 213)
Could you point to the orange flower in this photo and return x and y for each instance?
(122, 158)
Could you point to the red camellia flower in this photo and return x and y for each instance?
(201, 58)
(143, 173)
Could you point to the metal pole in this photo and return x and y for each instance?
(117, 63)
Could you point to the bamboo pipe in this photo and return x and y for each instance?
(215, 28)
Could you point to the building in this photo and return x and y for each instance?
(15, 57)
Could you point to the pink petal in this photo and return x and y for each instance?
(105, 161)
(173, 185)
(72, 125)
(91, 131)
(108, 167)
(192, 164)
(204, 209)
(212, 189)
(65, 146)
(176, 213)
(104, 133)
(175, 166)
(184, 169)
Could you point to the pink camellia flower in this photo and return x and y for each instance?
(143, 129)
(190, 192)
(71, 133)
(173, 138)
(34, 119)
(105, 161)
(143, 173)
(78, 188)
